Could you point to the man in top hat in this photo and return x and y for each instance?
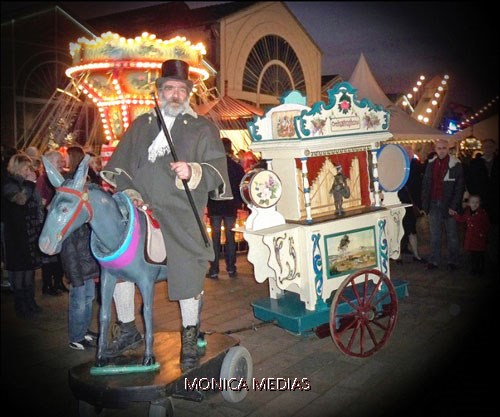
(143, 167)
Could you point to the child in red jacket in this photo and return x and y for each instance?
(478, 223)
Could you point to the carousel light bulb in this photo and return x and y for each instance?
(422, 77)
(440, 88)
(437, 95)
(426, 119)
(446, 76)
(419, 83)
(428, 110)
(420, 117)
(415, 89)
(434, 102)
(409, 95)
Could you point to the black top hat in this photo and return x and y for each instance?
(174, 69)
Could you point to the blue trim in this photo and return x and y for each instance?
(406, 168)
(128, 238)
(383, 247)
(317, 108)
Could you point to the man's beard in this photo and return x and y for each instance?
(174, 111)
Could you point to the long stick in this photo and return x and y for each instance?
(184, 182)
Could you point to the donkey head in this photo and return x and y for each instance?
(69, 208)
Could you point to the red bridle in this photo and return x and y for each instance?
(83, 198)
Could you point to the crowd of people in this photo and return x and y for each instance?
(450, 192)
(145, 168)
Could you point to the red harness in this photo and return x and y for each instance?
(83, 201)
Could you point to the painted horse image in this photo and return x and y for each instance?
(117, 242)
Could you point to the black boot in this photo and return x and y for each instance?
(129, 338)
(189, 348)
(29, 297)
(20, 306)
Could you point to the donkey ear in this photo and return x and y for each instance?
(80, 177)
(55, 177)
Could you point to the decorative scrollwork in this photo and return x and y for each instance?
(383, 246)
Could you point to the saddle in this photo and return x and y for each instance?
(154, 250)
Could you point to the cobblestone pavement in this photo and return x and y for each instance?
(440, 360)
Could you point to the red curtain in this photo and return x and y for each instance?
(314, 164)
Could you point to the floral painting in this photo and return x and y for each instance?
(265, 189)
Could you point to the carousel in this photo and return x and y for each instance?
(118, 74)
(326, 260)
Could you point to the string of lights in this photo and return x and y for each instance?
(477, 116)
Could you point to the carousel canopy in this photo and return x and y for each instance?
(402, 126)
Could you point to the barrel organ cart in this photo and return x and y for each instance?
(326, 268)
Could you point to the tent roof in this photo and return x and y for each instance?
(485, 129)
(401, 125)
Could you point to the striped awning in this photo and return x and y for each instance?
(227, 108)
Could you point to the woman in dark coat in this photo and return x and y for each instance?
(22, 217)
(81, 269)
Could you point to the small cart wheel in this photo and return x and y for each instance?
(163, 408)
(88, 410)
(363, 313)
(237, 364)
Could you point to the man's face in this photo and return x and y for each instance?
(441, 149)
(174, 97)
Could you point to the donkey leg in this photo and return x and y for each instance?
(108, 282)
(147, 291)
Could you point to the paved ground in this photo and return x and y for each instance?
(441, 359)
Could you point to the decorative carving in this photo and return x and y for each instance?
(281, 257)
(383, 246)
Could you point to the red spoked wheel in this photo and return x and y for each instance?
(363, 313)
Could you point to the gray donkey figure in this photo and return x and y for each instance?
(117, 242)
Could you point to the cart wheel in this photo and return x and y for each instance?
(88, 410)
(363, 313)
(236, 364)
(165, 408)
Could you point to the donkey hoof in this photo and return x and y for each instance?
(148, 361)
(102, 361)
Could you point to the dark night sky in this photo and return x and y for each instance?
(400, 40)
